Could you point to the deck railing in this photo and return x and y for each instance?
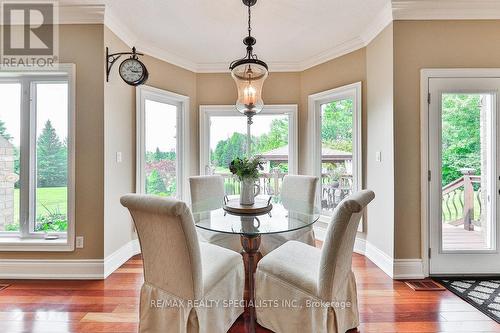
(269, 183)
(460, 199)
(333, 191)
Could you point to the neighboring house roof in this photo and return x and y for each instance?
(4, 143)
(328, 154)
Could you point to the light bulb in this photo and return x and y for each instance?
(249, 95)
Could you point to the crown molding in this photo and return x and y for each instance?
(162, 54)
(75, 13)
(119, 29)
(70, 13)
(81, 14)
(334, 52)
(381, 20)
(445, 9)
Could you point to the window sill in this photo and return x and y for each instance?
(36, 245)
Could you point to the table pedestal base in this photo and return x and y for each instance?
(251, 257)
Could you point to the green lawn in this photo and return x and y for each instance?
(49, 199)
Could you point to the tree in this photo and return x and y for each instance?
(51, 158)
(275, 138)
(336, 127)
(155, 184)
(461, 135)
(228, 150)
(3, 131)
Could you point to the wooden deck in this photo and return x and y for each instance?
(457, 238)
(112, 305)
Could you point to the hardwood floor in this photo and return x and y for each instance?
(112, 305)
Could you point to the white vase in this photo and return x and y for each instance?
(249, 190)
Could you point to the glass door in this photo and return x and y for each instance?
(463, 174)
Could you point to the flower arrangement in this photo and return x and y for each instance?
(245, 168)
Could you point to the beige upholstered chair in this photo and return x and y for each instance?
(318, 285)
(207, 193)
(298, 194)
(180, 272)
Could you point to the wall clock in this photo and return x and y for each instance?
(132, 70)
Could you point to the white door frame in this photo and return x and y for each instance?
(425, 76)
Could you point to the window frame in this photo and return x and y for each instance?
(351, 91)
(207, 111)
(144, 93)
(26, 239)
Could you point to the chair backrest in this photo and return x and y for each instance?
(298, 193)
(207, 192)
(336, 254)
(169, 244)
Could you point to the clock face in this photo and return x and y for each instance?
(133, 72)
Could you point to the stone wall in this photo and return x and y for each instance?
(7, 180)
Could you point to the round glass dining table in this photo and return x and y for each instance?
(250, 227)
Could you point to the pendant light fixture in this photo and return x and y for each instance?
(249, 73)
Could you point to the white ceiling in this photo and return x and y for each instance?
(207, 35)
(292, 35)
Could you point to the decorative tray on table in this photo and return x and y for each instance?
(261, 206)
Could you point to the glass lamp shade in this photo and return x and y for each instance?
(249, 78)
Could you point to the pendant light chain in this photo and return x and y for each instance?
(249, 21)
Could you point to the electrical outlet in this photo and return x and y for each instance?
(118, 157)
(79, 242)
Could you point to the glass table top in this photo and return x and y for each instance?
(278, 220)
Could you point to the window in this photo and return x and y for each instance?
(274, 137)
(336, 143)
(161, 158)
(36, 158)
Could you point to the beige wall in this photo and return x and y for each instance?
(83, 45)
(119, 136)
(417, 45)
(107, 110)
(165, 76)
(220, 89)
(291, 88)
(380, 138)
(335, 73)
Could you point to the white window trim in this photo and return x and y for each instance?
(182, 160)
(354, 92)
(207, 111)
(36, 242)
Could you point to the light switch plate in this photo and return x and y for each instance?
(378, 156)
(118, 157)
(79, 242)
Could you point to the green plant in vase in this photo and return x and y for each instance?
(247, 171)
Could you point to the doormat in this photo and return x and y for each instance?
(482, 293)
(424, 285)
(3, 286)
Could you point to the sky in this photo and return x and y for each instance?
(161, 123)
(52, 103)
(161, 130)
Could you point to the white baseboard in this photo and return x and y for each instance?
(120, 256)
(380, 258)
(408, 269)
(397, 269)
(85, 269)
(89, 269)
